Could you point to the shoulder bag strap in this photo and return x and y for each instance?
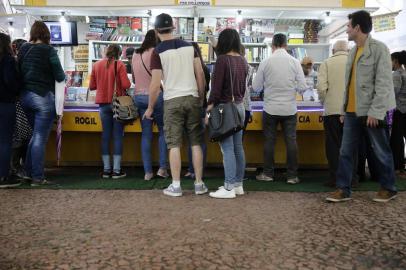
(115, 78)
(231, 78)
(146, 69)
(142, 60)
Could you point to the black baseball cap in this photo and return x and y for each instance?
(163, 22)
(129, 51)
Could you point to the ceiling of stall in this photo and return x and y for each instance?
(288, 16)
(178, 11)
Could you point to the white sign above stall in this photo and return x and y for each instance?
(385, 22)
(195, 2)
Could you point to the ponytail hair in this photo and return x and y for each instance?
(113, 53)
(403, 58)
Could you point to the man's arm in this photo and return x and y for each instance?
(383, 85)
(154, 88)
(301, 86)
(322, 82)
(259, 80)
(93, 82)
(199, 74)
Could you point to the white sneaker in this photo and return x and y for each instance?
(200, 189)
(172, 191)
(292, 181)
(263, 177)
(223, 193)
(239, 190)
(148, 176)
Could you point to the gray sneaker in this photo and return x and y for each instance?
(200, 189)
(293, 180)
(264, 177)
(172, 191)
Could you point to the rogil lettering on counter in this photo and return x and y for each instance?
(85, 120)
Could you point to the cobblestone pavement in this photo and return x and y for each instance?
(89, 229)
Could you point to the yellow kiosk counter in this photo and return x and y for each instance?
(81, 139)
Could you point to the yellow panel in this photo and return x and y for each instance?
(81, 142)
(84, 148)
(353, 3)
(39, 3)
(90, 122)
(306, 121)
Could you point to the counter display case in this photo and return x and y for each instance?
(81, 139)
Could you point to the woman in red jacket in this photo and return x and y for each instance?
(102, 79)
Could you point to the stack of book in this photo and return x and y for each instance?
(311, 30)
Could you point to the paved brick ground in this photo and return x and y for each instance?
(68, 229)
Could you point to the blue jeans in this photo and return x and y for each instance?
(270, 123)
(233, 157)
(146, 138)
(7, 123)
(40, 111)
(354, 129)
(115, 128)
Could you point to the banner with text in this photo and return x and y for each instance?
(195, 2)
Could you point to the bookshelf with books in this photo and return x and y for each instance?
(317, 51)
(97, 50)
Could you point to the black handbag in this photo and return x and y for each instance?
(224, 119)
(124, 109)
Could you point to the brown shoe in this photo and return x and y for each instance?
(338, 196)
(384, 195)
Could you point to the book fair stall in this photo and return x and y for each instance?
(93, 25)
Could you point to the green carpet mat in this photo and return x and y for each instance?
(88, 178)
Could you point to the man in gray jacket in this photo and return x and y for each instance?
(368, 96)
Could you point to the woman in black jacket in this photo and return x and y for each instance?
(40, 68)
(8, 93)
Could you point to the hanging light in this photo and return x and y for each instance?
(62, 19)
(10, 28)
(239, 16)
(327, 19)
(151, 18)
(87, 19)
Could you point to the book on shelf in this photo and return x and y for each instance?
(205, 51)
(81, 66)
(74, 78)
(298, 53)
(112, 23)
(295, 41)
(136, 24)
(100, 49)
(93, 36)
(76, 94)
(80, 52)
(256, 54)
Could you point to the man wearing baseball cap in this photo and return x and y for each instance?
(178, 65)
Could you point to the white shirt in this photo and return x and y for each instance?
(175, 58)
(281, 76)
